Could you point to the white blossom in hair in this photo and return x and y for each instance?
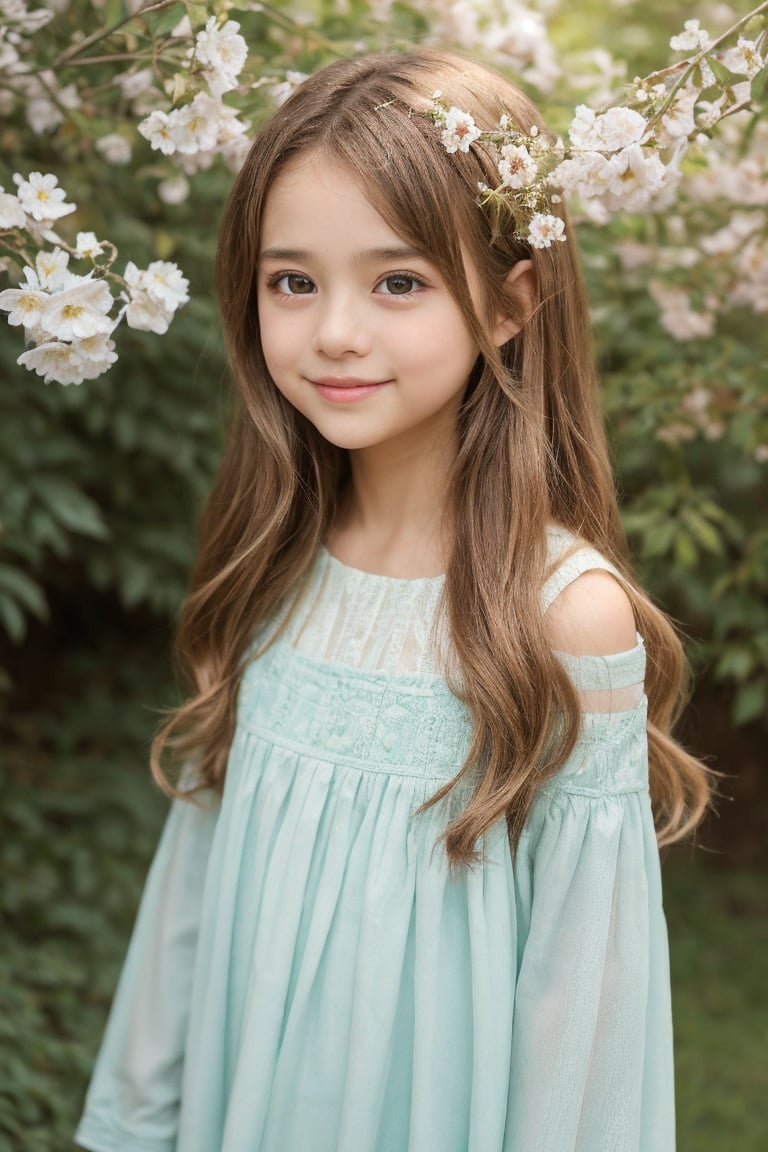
(611, 162)
(523, 162)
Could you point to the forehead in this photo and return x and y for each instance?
(320, 199)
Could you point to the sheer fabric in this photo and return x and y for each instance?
(377, 623)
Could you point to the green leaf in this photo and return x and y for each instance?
(658, 540)
(736, 663)
(71, 507)
(751, 702)
(91, 127)
(114, 12)
(759, 84)
(723, 74)
(12, 618)
(161, 23)
(704, 533)
(198, 14)
(686, 553)
(19, 585)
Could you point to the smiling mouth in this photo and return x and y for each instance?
(346, 382)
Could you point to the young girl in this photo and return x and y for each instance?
(413, 904)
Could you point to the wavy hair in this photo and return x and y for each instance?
(531, 451)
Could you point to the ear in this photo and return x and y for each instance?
(520, 286)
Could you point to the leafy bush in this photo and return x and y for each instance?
(99, 483)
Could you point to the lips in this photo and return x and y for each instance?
(346, 382)
(349, 390)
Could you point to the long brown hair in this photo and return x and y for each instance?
(531, 451)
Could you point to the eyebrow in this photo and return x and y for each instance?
(369, 255)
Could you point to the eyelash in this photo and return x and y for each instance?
(275, 279)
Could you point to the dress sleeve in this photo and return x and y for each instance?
(591, 1066)
(133, 1100)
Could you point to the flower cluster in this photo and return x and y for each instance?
(522, 162)
(512, 33)
(67, 317)
(195, 133)
(626, 159)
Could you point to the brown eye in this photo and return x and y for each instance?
(399, 285)
(293, 284)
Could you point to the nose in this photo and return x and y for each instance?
(340, 328)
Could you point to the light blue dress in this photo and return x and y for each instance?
(305, 975)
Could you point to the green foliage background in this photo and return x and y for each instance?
(99, 489)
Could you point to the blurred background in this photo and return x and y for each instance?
(101, 483)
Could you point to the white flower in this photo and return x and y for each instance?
(114, 148)
(46, 101)
(12, 215)
(40, 197)
(636, 176)
(678, 120)
(544, 230)
(505, 30)
(198, 127)
(281, 91)
(709, 112)
(585, 174)
(65, 363)
(615, 129)
(97, 354)
(16, 12)
(157, 129)
(54, 360)
(234, 152)
(730, 239)
(87, 246)
(459, 131)
(79, 311)
(154, 294)
(51, 272)
(195, 127)
(42, 115)
(222, 52)
(24, 306)
(174, 190)
(9, 57)
(165, 282)
(517, 167)
(693, 39)
(146, 315)
(133, 84)
(677, 315)
(619, 127)
(744, 59)
(633, 254)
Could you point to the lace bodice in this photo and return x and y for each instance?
(373, 623)
(345, 616)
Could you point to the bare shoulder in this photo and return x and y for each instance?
(592, 616)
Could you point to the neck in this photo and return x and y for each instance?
(392, 516)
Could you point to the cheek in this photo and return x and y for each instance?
(277, 339)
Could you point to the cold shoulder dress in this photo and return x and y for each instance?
(305, 974)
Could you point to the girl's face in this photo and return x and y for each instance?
(359, 331)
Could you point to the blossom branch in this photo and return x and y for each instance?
(76, 50)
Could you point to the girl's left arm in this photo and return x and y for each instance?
(133, 1100)
(591, 1062)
